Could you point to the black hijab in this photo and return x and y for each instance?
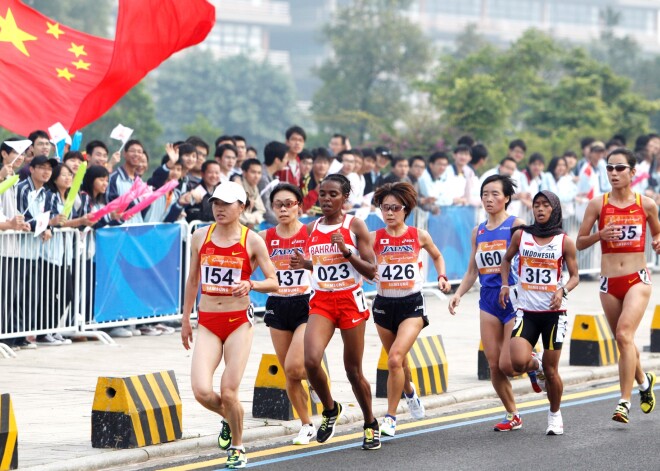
(554, 225)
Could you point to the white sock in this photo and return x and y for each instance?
(645, 385)
(555, 414)
(625, 401)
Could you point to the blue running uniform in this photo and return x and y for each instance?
(491, 247)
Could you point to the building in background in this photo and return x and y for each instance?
(288, 33)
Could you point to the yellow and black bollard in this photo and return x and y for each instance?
(8, 435)
(592, 342)
(269, 400)
(655, 330)
(428, 366)
(136, 411)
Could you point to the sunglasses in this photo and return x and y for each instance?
(618, 167)
(288, 204)
(395, 208)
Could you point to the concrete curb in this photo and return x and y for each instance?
(208, 443)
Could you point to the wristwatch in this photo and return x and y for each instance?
(565, 294)
(348, 255)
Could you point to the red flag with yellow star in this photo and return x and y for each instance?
(51, 73)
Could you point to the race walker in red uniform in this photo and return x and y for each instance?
(625, 283)
(399, 310)
(340, 253)
(223, 256)
(287, 310)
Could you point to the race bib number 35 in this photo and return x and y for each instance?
(220, 273)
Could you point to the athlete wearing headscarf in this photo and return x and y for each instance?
(544, 251)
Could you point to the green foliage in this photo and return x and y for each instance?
(235, 94)
(542, 90)
(201, 127)
(135, 110)
(92, 17)
(376, 53)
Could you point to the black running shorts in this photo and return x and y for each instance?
(390, 312)
(287, 312)
(551, 326)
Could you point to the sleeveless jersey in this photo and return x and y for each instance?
(540, 272)
(399, 264)
(332, 272)
(491, 247)
(292, 282)
(221, 268)
(632, 220)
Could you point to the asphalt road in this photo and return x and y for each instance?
(464, 440)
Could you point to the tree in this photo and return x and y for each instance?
(254, 99)
(538, 87)
(135, 110)
(376, 53)
(90, 17)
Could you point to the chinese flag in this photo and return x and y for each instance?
(51, 73)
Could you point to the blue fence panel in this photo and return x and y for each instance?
(451, 231)
(138, 271)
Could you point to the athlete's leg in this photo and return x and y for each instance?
(492, 332)
(553, 382)
(505, 351)
(237, 352)
(205, 360)
(353, 351)
(397, 347)
(294, 370)
(317, 336)
(624, 319)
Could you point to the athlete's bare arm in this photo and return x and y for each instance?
(469, 278)
(365, 264)
(585, 238)
(426, 242)
(651, 210)
(258, 252)
(570, 257)
(505, 268)
(192, 286)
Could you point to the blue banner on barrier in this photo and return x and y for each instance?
(451, 231)
(137, 271)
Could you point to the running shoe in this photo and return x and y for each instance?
(61, 338)
(647, 397)
(621, 413)
(371, 438)
(555, 424)
(327, 428)
(388, 426)
(224, 439)
(540, 375)
(307, 432)
(510, 422)
(236, 459)
(415, 406)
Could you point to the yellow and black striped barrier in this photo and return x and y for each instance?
(136, 411)
(592, 342)
(483, 369)
(8, 435)
(428, 366)
(269, 400)
(655, 330)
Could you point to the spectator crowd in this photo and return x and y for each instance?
(450, 177)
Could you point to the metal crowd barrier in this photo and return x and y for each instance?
(39, 284)
(50, 287)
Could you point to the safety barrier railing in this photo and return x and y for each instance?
(39, 284)
(83, 282)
